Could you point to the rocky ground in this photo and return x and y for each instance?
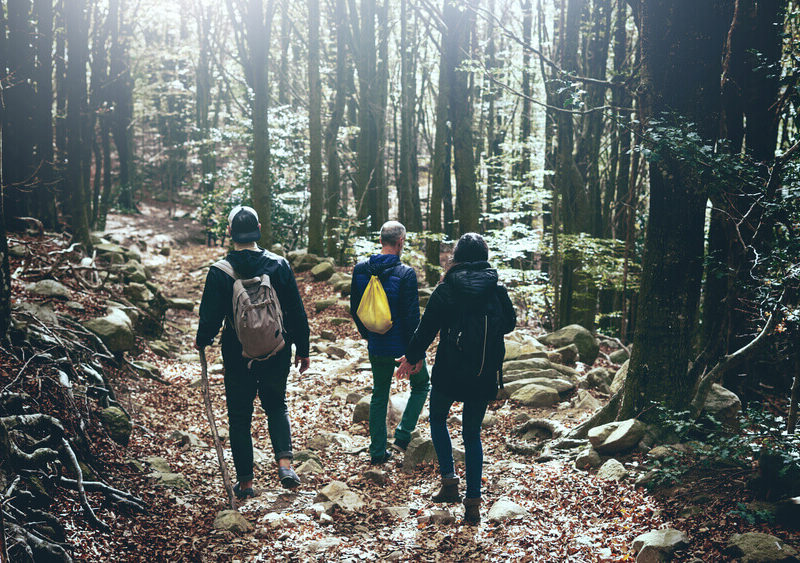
(538, 505)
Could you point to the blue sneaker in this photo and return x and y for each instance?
(289, 479)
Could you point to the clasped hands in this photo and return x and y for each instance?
(405, 369)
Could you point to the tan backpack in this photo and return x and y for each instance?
(257, 316)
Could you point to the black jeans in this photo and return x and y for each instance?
(267, 380)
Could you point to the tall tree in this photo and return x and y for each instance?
(5, 272)
(343, 72)
(253, 22)
(524, 165)
(208, 165)
(460, 23)
(121, 91)
(682, 43)
(315, 132)
(76, 20)
(43, 117)
(408, 177)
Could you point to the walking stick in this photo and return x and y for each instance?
(226, 478)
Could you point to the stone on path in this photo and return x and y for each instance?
(340, 495)
(419, 450)
(619, 377)
(619, 356)
(117, 424)
(585, 401)
(309, 467)
(50, 288)
(361, 411)
(323, 304)
(232, 521)
(659, 545)
(397, 512)
(377, 476)
(588, 348)
(587, 458)
(755, 547)
(157, 463)
(180, 304)
(723, 404)
(172, 480)
(505, 509)
(534, 395)
(115, 330)
(322, 271)
(617, 436)
(612, 470)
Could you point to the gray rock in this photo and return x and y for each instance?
(361, 411)
(585, 401)
(659, 545)
(278, 249)
(336, 351)
(569, 354)
(18, 251)
(44, 312)
(172, 480)
(160, 348)
(322, 544)
(146, 368)
(505, 509)
(328, 335)
(187, 439)
(617, 436)
(723, 404)
(322, 271)
(157, 463)
(323, 304)
(340, 495)
(305, 455)
(134, 272)
(755, 547)
(339, 393)
(50, 288)
(138, 292)
(587, 458)
(325, 440)
(542, 373)
(232, 521)
(180, 304)
(339, 321)
(489, 420)
(441, 517)
(612, 470)
(588, 347)
(559, 385)
(599, 378)
(353, 398)
(377, 476)
(619, 356)
(165, 251)
(419, 450)
(309, 467)
(304, 262)
(531, 364)
(619, 377)
(534, 395)
(117, 424)
(397, 512)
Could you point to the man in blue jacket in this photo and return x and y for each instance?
(400, 284)
(266, 379)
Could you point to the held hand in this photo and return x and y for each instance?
(418, 366)
(302, 362)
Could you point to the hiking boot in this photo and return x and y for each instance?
(289, 479)
(243, 493)
(400, 446)
(387, 455)
(472, 510)
(448, 492)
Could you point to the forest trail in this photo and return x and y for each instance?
(567, 514)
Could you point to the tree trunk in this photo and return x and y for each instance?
(381, 94)
(283, 74)
(77, 42)
(460, 23)
(208, 163)
(681, 47)
(366, 186)
(525, 119)
(121, 88)
(315, 132)
(493, 136)
(332, 189)
(46, 198)
(5, 272)
(622, 131)
(408, 177)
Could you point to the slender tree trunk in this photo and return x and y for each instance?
(525, 118)
(283, 74)
(5, 272)
(493, 138)
(365, 187)
(622, 128)
(206, 151)
(77, 41)
(381, 93)
(46, 200)
(332, 189)
(408, 179)
(460, 23)
(315, 132)
(122, 93)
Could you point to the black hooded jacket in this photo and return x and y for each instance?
(216, 303)
(466, 285)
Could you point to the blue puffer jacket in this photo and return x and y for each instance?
(400, 284)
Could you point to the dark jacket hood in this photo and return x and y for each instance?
(247, 262)
(379, 263)
(471, 280)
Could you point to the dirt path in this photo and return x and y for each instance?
(570, 515)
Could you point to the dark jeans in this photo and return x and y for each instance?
(471, 432)
(266, 379)
(382, 373)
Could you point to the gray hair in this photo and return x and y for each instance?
(392, 232)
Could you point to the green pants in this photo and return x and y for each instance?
(382, 373)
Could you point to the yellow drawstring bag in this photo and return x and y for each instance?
(374, 309)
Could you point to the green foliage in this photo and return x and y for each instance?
(752, 515)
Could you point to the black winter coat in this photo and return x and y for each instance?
(466, 285)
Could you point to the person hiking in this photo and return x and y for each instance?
(400, 285)
(246, 378)
(471, 312)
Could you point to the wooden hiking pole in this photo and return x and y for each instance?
(226, 478)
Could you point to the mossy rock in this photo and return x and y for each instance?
(117, 424)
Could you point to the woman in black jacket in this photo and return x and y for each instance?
(471, 311)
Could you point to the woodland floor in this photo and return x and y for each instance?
(573, 516)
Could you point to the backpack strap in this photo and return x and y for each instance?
(226, 267)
